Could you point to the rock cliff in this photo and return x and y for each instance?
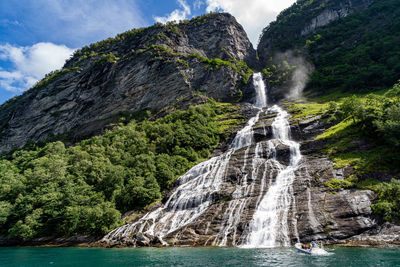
(142, 69)
(333, 12)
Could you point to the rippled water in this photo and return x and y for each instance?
(195, 257)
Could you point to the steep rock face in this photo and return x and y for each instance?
(306, 19)
(323, 215)
(144, 69)
(343, 9)
(315, 212)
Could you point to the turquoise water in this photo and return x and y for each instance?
(195, 257)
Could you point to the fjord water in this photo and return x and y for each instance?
(208, 256)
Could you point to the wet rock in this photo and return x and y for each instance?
(142, 240)
(282, 152)
(263, 133)
(51, 241)
(156, 241)
(385, 235)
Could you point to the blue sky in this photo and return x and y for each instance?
(37, 36)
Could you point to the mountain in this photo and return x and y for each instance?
(163, 135)
(142, 69)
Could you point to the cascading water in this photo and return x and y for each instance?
(261, 96)
(197, 190)
(269, 226)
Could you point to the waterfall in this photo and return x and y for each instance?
(261, 97)
(269, 226)
(197, 191)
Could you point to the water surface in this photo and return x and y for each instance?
(209, 256)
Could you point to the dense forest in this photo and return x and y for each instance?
(83, 189)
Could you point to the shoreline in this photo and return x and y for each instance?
(93, 242)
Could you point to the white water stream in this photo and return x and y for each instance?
(196, 190)
(269, 226)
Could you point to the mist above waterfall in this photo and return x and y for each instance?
(300, 71)
(300, 76)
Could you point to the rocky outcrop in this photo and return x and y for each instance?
(326, 215)
(384, 235)
(143, 69)
(343, 9)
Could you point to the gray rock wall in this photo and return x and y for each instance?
(328, 15)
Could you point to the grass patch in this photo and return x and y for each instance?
(341, 129)
(355, 140)
(372, 160)
(106, 58)
(228, 118)
(303, 111)
(342, 149)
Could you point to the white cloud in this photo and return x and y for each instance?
(177, 14)
(254, 15)
(30, 64)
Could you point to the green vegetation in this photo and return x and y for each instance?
(388, 204)
(83, 189)
(278, 74)
(106, 58)
(216, 63)
(307, 109)
(377, 117)
(367, 120)
(366, 136)
(229, 117)
(359, 52)
(337, 184)
(167, 54)
(200, 20)
(137, 34)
